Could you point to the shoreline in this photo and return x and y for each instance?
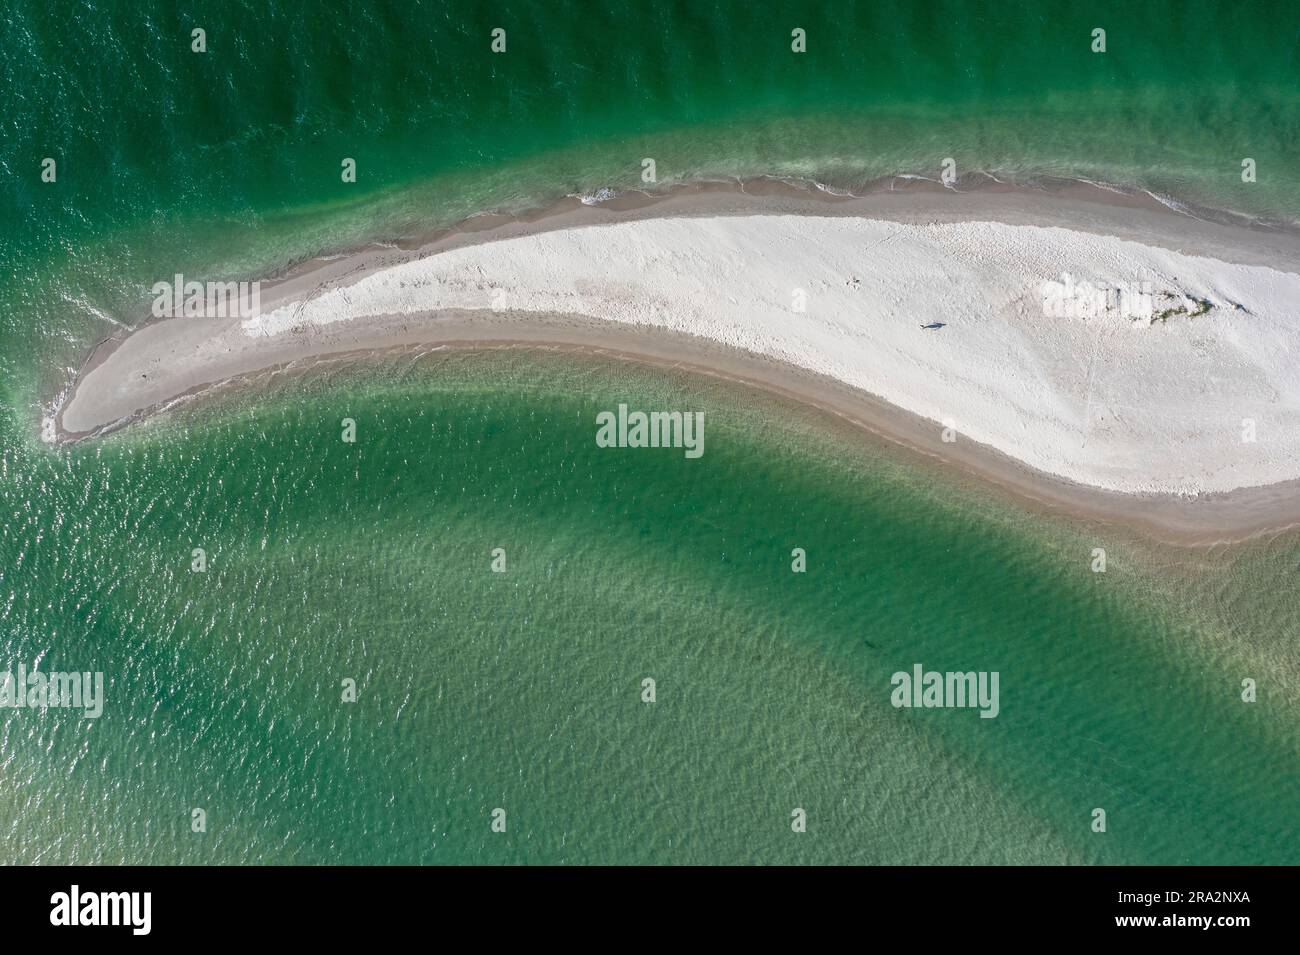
(1206, 518)
(1206, 521)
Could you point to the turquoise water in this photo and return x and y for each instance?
(521, 690)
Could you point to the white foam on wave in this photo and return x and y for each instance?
(603, 194)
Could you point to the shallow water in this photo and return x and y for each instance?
(522, 690)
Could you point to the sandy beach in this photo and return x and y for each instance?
(1107, 356)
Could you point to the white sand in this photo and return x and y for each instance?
(1099, 399)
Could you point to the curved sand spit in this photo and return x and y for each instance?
(1183, 378)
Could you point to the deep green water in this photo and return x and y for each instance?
(521, 690)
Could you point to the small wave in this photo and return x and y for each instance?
(832, 190)
(1169, 202)
(1108, 187)
(99, 313)
(603, 194)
